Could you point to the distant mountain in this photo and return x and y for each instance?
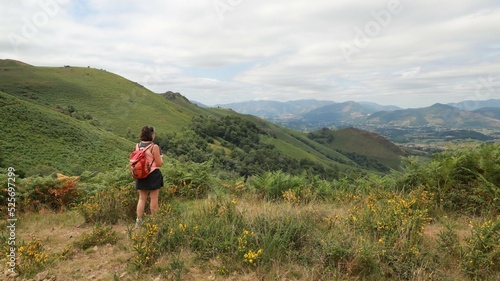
(377, 107)
(306, 115)
(199, 104)
(437, 115)
(493, 112)
(476, 104)
(351, 112)
(276, 109)
(309, 110)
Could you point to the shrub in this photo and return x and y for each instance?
(396, 223)
(482, 250)
(275, 186)
(146, 241)
(187, 180)
(282, 238)
(109, 205)
(146, 246)
(32, 257)
(449, 242)
(246, 245)
(209, 231)
(463, 180)
(335, 253)
(55, 193)
(217, 230)
(100, 235)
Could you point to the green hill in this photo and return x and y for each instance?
(119, 105)
(72, 119)
(367, 149)
(36, 139)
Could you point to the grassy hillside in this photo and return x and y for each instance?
(118, 104)
(297, 144)
(369, 144)
(292, 143)
(36, 139)
(358, 143)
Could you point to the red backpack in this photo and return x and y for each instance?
(139, 166)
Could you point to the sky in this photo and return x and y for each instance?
(391, 52)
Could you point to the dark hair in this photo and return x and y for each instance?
(147, 133)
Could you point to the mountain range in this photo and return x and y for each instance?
(316, 114)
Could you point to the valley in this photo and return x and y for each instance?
(428, 129)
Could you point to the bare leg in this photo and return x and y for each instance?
(141, 204)
(153, 204)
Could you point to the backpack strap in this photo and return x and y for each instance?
(152, 144)
(137, 146)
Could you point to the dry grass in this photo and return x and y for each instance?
(253, 207)
(59, 231)
(450, 269)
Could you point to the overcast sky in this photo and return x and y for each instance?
(392, 52)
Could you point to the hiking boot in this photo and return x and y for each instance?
(138, 223)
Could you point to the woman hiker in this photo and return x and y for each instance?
(154, 181)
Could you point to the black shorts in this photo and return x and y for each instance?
(152, 182)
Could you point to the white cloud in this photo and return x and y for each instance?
(408, 53)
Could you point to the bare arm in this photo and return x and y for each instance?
(157, 156)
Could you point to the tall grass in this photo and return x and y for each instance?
(279, 226)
